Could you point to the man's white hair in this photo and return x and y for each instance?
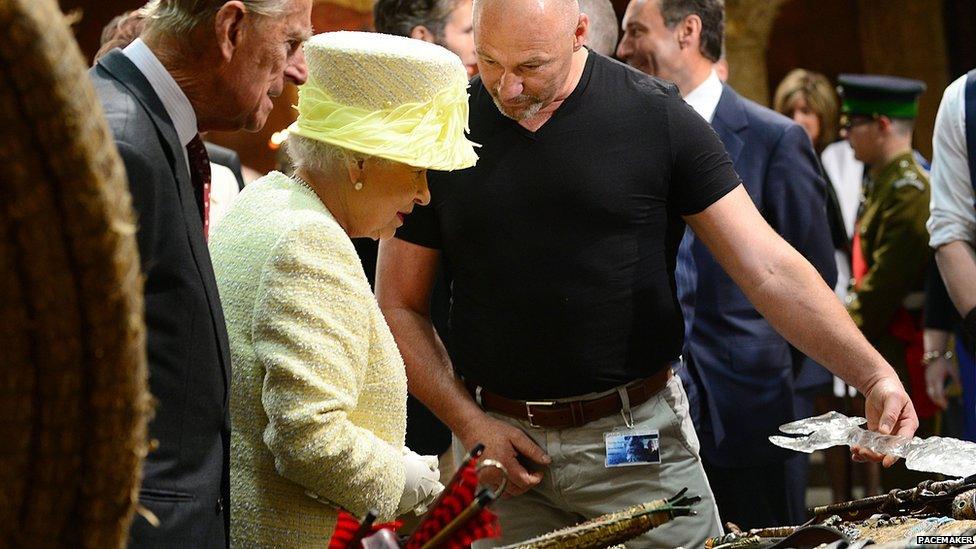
(603, 30)
(182, 16)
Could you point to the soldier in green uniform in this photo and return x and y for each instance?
(891, 251)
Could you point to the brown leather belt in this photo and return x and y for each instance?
(550, 414)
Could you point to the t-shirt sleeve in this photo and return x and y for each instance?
(701, 169)
(421, 227)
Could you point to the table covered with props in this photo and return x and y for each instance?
(940, 512)
(461, 516)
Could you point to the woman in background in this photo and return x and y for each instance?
(809, 99)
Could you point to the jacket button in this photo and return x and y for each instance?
(220, 506)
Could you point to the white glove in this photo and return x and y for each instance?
(423, 482)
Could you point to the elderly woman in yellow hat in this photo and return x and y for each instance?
(318, 398)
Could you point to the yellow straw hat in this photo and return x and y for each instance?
(388, 96)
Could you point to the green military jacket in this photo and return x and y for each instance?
(894, 243)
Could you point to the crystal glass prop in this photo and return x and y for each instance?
(947, 456)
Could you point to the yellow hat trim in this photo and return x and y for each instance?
(428, 134)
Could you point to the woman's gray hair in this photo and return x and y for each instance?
(182, 16)
(323, 158)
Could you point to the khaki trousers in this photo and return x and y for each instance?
(577, 486)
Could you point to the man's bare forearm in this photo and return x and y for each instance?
(797, 302)
(787, 290)
(790, 294)
(957, 265)
(430, 376)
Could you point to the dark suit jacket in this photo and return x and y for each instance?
(741, 368)
(186, 479)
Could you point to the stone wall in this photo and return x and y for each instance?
(747, 27)
(767, 38)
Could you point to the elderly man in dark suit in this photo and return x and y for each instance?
(740, 370)
(199, 65)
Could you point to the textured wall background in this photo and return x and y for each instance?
(897, 37)
(933, 40)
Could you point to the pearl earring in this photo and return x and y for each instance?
(362, 175)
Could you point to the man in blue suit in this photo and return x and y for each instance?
(740, 370)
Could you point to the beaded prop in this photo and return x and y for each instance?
(349, 532)
(460, 515)
(615, 528)
(457, 518)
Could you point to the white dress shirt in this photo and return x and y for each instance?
(846, 174)
(223, 183)
(704, 99)
(953, 216)
(177, 106)
(223, 192)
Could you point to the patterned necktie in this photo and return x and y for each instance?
(196, 153)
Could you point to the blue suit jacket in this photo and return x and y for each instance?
(741, 370)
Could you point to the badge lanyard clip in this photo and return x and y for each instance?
(625, 411)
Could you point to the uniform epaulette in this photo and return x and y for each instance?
(909, 180)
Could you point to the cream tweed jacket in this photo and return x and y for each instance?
(318, 399)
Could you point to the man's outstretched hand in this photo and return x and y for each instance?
(889, 411)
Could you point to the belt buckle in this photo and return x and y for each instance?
(528, 410)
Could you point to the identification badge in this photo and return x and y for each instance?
(632, 447)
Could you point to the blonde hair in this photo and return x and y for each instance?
(815, 89)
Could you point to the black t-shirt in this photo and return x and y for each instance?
(562, 242)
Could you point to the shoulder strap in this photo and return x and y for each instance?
(971, 125)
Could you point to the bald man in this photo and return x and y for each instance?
(565, 327)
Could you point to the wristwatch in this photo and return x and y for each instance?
(928, 357)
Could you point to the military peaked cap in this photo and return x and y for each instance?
(876, 95)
